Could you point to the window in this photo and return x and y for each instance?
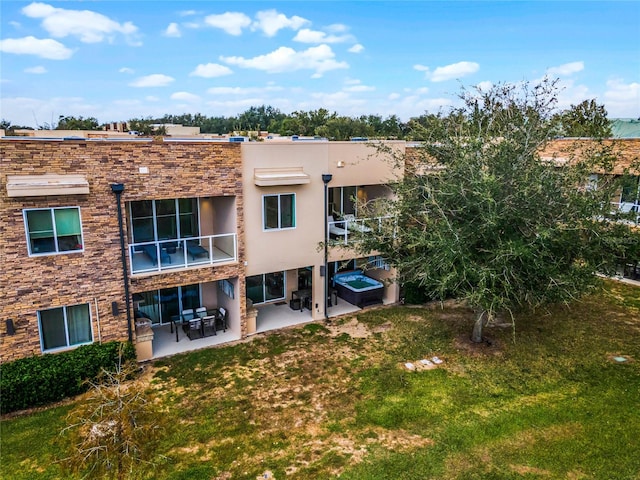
(266, 287)
(156, 220)
(629, 190)
(279, 211)
(53, 230)
(65, 327)
(342, 200)
(226, 287)
(160, 305)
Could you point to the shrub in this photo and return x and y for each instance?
(39, 380)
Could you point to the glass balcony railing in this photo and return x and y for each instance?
(165, 255)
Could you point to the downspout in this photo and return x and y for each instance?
(326, 178)
(118, 188)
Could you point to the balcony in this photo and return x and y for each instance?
(629, 211)
(350, 229)
(161, 256)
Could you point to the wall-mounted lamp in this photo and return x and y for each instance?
(340, 163)
(11, 328)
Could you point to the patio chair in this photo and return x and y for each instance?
(196, 250)
(201, 312)
(185, 316)
(355, 225)
(152, 253)
(222, 317)
(209, 325)
(195, 326)
(334, 229)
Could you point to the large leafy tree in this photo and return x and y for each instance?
(587, 119)
(77, 123)
(481, 215)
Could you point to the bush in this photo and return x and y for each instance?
(39, 380)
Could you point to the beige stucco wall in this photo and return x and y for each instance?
(277, 250)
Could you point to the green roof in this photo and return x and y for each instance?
(625, 128)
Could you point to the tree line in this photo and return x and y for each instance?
(587, 119)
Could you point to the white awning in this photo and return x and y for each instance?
(43, 185)
(267, 177)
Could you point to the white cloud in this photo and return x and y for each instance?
(622, 100)
(341, 102)
(484, 86)
(355, 85)
(187, 13)
(126, 70)
(314, 36)
(448, 72)
(154, 80)
(270, 22)
(235, 105)
(45, 48)
(566, 69)
(284, 59)
(88, 26)
(35, 112)
(172, 30)
(239, 91)
(230, 22)
(359, 88)
(337, 28)
(36, 70)
(185, 97)
(357, 48)
(211, 70)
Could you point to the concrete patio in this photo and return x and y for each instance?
(270, 317)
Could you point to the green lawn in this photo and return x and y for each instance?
(546, 401)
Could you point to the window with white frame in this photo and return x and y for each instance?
(65, 327)
(53, 230)
(279, 211)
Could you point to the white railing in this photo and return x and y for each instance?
(339, 230)
(629, 210)
(182, 253)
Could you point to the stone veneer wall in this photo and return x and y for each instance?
(29, 284)
(625, 150)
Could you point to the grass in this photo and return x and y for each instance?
(545, 401)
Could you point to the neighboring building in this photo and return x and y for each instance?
(204, 223)
(625, 128)
(625, 151)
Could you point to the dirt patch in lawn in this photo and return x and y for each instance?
(305, 398)
(488, 347)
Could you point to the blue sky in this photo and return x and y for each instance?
(116, 60)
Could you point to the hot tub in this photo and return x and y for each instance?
(358, 289)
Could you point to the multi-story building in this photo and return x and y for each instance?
(302, 196)
(64, 204)
(114, 239)
(109, 239)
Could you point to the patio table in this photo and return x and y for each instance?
(178, 321)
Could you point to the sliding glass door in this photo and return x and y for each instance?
(161, 305)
